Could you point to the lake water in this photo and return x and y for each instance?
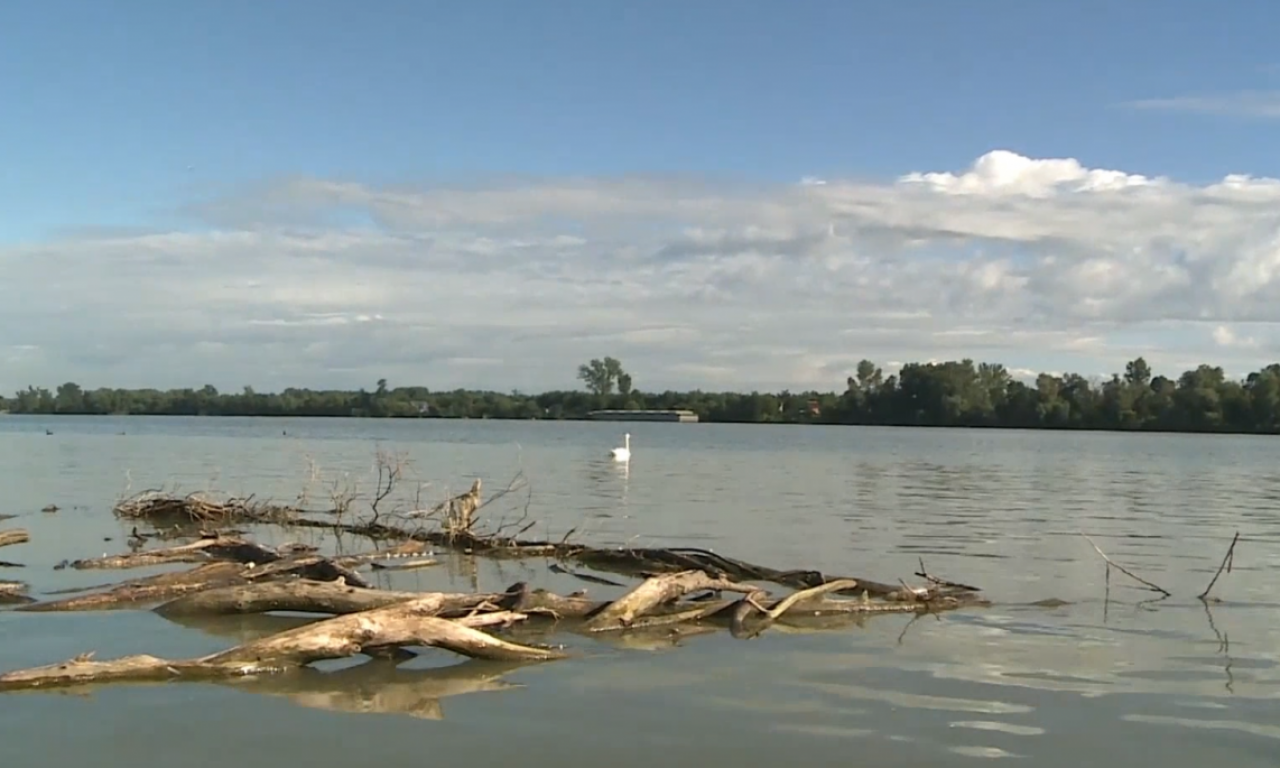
(1113, 683)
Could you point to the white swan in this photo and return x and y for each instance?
(623, 453)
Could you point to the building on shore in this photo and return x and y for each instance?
(680, 415)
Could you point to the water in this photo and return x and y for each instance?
(1117, 683)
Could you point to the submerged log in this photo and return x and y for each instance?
(308, 596)
(14, 536)
(399, 625)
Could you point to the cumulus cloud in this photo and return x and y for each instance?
(1042, 264)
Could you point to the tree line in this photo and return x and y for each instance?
(954, 393)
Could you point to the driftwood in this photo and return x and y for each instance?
(309, 596)
(166, 586)
(161, 508)
(653, 592)
(376, 622)
(403, 624)
(13, 536)
(210, 547)
(404, 565)
(13, 592)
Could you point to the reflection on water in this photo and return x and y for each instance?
(1177, 682)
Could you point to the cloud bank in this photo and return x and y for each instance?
(1042, 264)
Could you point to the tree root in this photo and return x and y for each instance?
(407, 623)
(13, 536)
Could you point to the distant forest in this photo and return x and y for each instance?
(950, 394)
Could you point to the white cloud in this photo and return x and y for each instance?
(1039, 264)
(1227, 337)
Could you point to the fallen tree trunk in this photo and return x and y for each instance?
(399, 625)
(162, 586)
(308, 596)
(211, 547)
(14, 536)
(166, 586)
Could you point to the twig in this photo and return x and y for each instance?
(1227, 563)
(924, 574)
(1113, 564)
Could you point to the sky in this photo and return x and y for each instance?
(723, 195)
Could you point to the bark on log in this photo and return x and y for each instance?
(654, 592)
(14, 536)
(402, 624)
(213, 547)
(308, 596)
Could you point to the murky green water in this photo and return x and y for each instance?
(1116, 684)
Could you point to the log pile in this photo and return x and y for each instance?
(161, 509)
(680, 591)
(372, 621)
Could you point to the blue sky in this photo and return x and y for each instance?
(211, 118)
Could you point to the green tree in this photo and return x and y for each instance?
(600, 376)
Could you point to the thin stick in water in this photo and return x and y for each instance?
(1113, 564)
(1227, 563)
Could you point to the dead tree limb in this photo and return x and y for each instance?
(210, 547)
(1113, 564)
(308, 596)
(402, 624)
(1228, 561)
(167, 586)
(404, 565)
(14, 536)
(520, 598)
(771, 614)
(657, 591)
